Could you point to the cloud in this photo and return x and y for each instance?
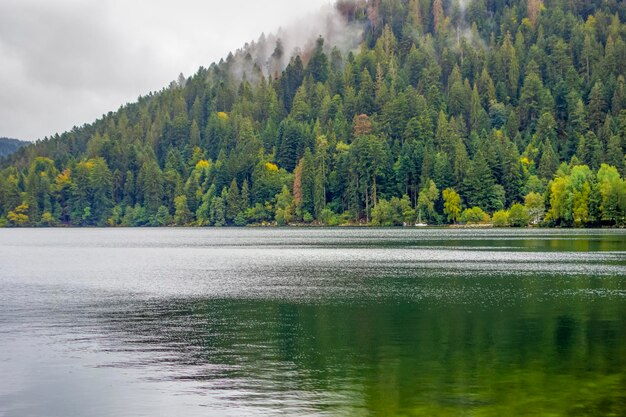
(67, 62)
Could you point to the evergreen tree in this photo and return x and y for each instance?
(150, 182)
(232, 199)
(479, 185)
(318, 67)
(182, 216)
(590, 150)
(549, 162)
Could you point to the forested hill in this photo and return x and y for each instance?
(447, 111)
(9, 146)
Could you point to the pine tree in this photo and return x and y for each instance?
(183, 215)
(150, 182)
(318, 67)
(232, 199)
(590, 150)
(596, 105)
(479, 184)
(549, 161)
(244, 203)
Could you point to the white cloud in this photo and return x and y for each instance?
(67, 62)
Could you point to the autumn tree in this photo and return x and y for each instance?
(452, 205)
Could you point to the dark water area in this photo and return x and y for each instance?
(354, 322)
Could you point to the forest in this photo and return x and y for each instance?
(495, 112)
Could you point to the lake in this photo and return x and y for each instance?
(354, 322)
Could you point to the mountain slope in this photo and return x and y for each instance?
(502, 104)
(9, 146)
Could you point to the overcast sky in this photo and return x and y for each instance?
(67, 62)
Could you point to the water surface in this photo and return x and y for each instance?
(435, 322)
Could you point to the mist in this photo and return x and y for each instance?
(68, 62)
(297, 38)
(463, 4)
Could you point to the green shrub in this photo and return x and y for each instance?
(518, 216)
(500, 218)
(240, 219)
(474, 215)
(328, 217)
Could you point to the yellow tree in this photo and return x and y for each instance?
(426, 200)
(18, 216)
(559, 200)
(612, 190)
(535, 206)
(452, 205)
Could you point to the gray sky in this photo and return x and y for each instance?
(67, 62)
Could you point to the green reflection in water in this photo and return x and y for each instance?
(480, 346)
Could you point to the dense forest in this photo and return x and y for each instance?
(9, 146)
(509, 112)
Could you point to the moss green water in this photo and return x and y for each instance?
(293, 322)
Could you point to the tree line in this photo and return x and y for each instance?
(506, 112)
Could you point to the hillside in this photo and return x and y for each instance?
(430, 111)
(9, 146)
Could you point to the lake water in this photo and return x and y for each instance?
(355, 322)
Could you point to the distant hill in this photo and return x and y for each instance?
(9, 146)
